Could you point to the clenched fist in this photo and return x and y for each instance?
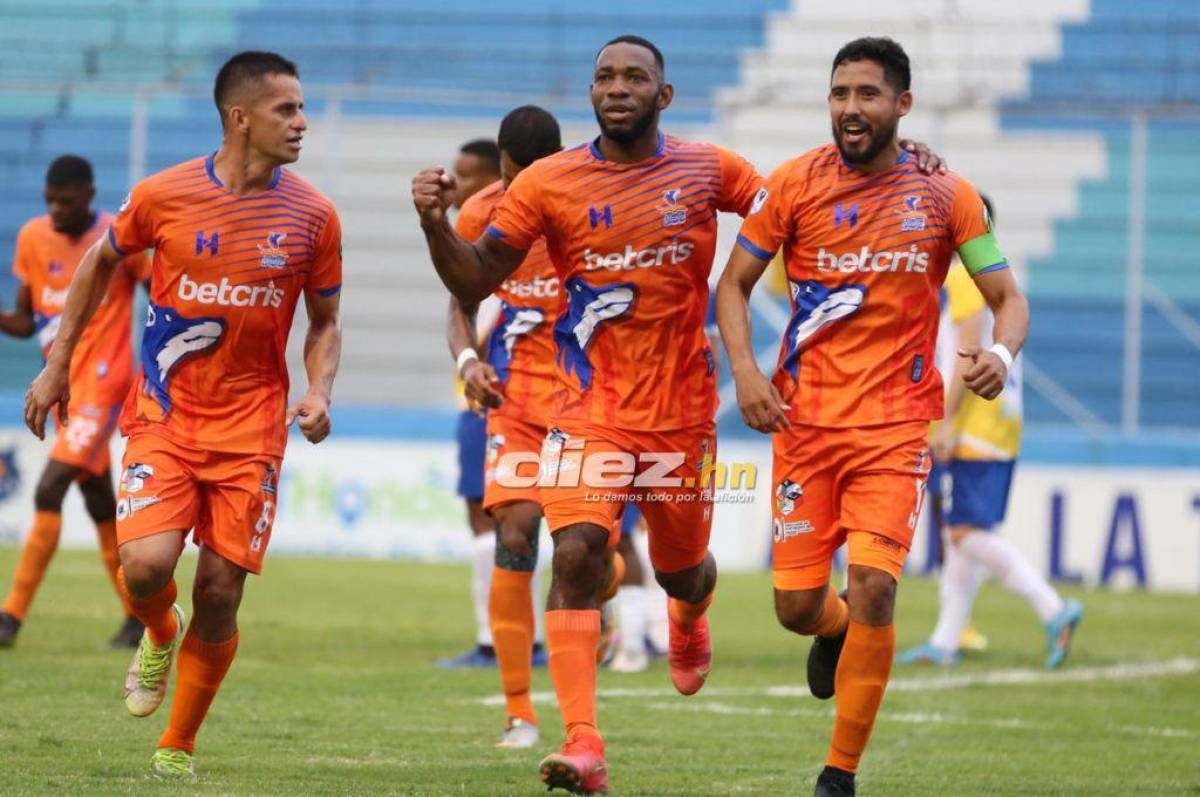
(433, 193)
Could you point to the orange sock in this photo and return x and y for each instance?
(684, 614)
(834, 616)
(571, 637)
(616, 574)
(510, 605)
(155, 611)
(106, 531)
(861, 678)
(202, 667)
(35, 558)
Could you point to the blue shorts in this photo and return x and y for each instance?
(472, 446)
(629, 520)
(972, 492)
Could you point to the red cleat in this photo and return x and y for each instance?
(690, 656)
(578, 767)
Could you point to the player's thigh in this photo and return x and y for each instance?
(805, 507)
(671, 493)
(237, 507)
(512, 464)
(568, 491)
(158, 493)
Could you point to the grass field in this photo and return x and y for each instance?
(333, 692)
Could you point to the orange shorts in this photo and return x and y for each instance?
(83, 441)
(859, 485)
(228, 499)
(511, 467)
(589, 473)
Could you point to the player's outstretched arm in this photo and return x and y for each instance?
(479, 378)
(989, 368)
(322, 353)
(88, 286)
(762, 407)
(471, 271)
(19, 323)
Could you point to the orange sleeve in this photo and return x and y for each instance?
(472, 220)
(23, 256)
(518, 220)
(326, 275)
(138, 266)
(133, 228)
(769, 221)
(740, 182)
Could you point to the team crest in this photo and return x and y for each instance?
(787, 495)
(760, 199)
(273, 254)
(673, 212)
(270, 482)
(136, 477)
(911, 218)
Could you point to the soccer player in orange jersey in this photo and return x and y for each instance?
(238, 240)
(867, 240)
(48, 250)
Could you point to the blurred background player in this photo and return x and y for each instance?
(48, 251)
(477, 166)
(974, 452)
(641, 604)
(867, 241)
(238, 241)
(516, 386)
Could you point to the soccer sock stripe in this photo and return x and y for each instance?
(202, 667)
(154, 611)
(861, 679)
(572, 636)
(511, 608)
(35, 558)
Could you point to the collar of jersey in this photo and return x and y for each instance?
(212, 174)
(594, 146)
(899, 162)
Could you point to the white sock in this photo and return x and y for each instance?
(484, 548)
(658, 624)
(631, 614)
(957, 586)
(1005, 563)
(539, 604)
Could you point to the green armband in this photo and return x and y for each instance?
(980, 255)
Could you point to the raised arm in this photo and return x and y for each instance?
(480, 378)
(989, 368)
(88, 286)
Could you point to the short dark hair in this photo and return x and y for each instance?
(883, 51)
(486, 150)
(69, 170)
(248, 65)
(629, 38)
(529, 133)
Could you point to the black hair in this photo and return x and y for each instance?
(629, 38)
(883, 51)
(248, 65)
(486, 150)
(529, 133)
(69, 170)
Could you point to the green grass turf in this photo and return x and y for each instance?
(333, 692)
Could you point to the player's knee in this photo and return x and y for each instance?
(99, 499)
(216, 597)
(798, 612)
(576, 559)
(144, 576)
(517, 548)
(872, 595)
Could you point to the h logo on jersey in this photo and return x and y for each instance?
(848, 214)
(168, 339)
(210, 243)
(603, 215)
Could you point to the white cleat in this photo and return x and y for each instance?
(147, 676)
(519, 735)
(629, 661)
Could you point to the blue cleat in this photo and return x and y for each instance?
(539, 658)
(1060, 631)
(928, 654)
(479, 656)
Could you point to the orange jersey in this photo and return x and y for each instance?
(866, 255)
(521, 346)
(227, 274)
(633, 245)
(45, 261)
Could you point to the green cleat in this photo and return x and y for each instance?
(146, 678)
(173, 764)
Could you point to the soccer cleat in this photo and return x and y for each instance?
(518, 734)
(146, 679)
(128, 635)
(690, 656)
(972, 639)
(628, 660)
(822, 664)
(834, 783)
(1060, 631)
(9, 626)
(606, 645)
(478, 656)
(928, 654)
(578, 767)
(173, 764)
(539, 658)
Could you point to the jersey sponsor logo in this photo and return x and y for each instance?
(673, 212)
(817, 306)
(673, 254)
(848, 214)
(588, 308)
(760, 199)
(169, 338)
(54, 297)
(131, 506)
(911, 219)
(210, 243)
(536, 288)
(273, 254)
(782, 531)
(603, 214)
(227, 294)
(912, 260)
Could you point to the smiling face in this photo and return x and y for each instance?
(865, 110)
(628, 92)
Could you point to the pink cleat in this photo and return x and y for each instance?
(690, 656)
(578, 767)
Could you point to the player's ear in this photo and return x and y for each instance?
(904, 103)
(665, 95)
(237, 119)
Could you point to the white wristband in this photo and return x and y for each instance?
(465, 356)
(1001, 351)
